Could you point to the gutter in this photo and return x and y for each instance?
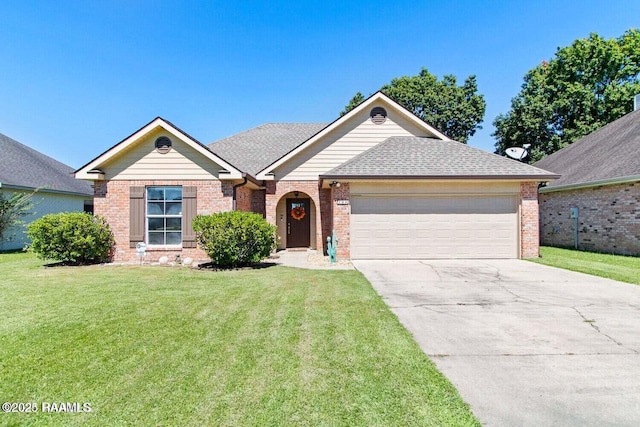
(235, 190)
(609, 181)
(444, 177)
(44, 190)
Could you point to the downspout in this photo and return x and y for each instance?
(235, 187)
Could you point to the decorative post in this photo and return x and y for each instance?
(332, 246)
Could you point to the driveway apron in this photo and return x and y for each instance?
(524, 344)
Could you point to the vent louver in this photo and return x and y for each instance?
(378, 115)
(163, 145)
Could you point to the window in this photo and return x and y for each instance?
(164, 215)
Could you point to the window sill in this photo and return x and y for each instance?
(157, 248)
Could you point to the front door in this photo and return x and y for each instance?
(298, 223)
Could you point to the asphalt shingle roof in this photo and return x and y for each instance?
(404, 156)
(25, 167)
(611, 152)
(255, 149)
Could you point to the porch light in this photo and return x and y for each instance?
(336, 183)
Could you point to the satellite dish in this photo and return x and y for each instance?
(517, 153)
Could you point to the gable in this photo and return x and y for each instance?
(143, 161)
(354, 136)
(136, 157)
(341, 131)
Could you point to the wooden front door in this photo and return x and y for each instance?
(298, 223)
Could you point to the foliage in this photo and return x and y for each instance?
(233, 239)
(72, 237)
(456, 111)
(585, 86)
(274, 347)
(616, 267)
(12, 209)
(357, 99)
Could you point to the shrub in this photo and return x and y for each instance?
(72, 237)
(233, 239)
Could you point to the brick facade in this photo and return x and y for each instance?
(111, 200)
(331, 213)
(244, 199)
(608, 218)
(529, 221)
(277, 190)
(257, 202)
(342, 218)
(248, 200)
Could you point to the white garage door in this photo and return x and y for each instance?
(401, 227)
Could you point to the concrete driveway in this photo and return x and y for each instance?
(524, 344)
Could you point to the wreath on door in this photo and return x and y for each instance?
(298, 213)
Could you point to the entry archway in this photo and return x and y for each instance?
(296, 214)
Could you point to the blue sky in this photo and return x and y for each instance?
(79, 76)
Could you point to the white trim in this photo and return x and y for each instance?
(267, 175)
(126, 143)
(609, 181)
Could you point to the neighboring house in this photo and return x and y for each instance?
(601, 178)
(24, 170)
(388, 183)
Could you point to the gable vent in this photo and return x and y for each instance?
(163, 145)
(378, 115)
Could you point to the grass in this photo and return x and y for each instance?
(175, 346)
(617, 267)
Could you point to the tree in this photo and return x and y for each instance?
(12, 209)
(357, 99)
(582, 88)
(456, 111)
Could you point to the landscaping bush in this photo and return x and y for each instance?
(71, 237)
(233, 239)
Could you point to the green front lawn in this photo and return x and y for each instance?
(175, 346)
(617, 267)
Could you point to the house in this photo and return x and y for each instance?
(24, 170)
(389, 184)
(601, 178)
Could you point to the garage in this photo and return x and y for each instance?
(391, 226)
(420, 198)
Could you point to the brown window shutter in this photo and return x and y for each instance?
(136, 215)
(189, 210)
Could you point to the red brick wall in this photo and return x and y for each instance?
(529, 234)
(276, 190)
(608, 218)
(112, 202)
(342, 219)
(257, 202)
(326, 217)
(243, 199)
